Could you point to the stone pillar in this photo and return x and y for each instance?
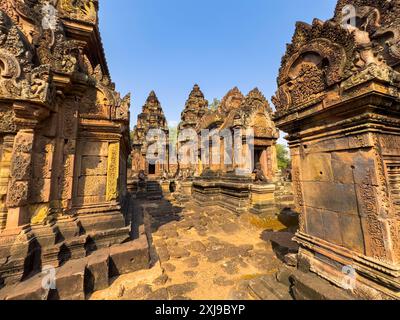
(247, 164)
(165, 188)
(185, 189)
(265, 163)
(263, 199)
(16, 240)
(346, 182)
(20, 176)
(5, 167)
(338, 100)
(274, 162)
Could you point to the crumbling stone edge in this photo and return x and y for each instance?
(77, 279)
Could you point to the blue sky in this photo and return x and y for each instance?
(169, 45)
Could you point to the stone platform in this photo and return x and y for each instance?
(78, 278)
(80, 274)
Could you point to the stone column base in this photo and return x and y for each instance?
(366, 278)
(185, 190)
(263, 199)
(18, 251)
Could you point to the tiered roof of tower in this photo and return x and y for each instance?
(232, 100)
(255, 100)
(152, 117)
(254, 112)
(195, 108)
(325, 56)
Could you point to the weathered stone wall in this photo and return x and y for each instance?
(331, 174)
(337, 99)
(151, 118)
(92, 166)
(64, 139)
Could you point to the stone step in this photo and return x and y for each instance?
(282, 242)
(77, 278)
(278, 289)
(308, 286)
(268, 288)
(260, 292)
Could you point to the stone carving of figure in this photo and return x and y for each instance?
(164, 176)
(185, 174)
(260, 177)
(172, 187)
(287, 174)
(142, 175)
(142, 181)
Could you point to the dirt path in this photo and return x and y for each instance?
(204, 253)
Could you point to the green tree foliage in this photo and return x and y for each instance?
(173, 134)
(283, 156)
(132, 133)
(129, 163)
(214, 105)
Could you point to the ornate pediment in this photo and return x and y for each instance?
(325, 54)
(122, 109)
(19, 77)
(255, 100)
(380, 18)
(81, 10)
(232, 100)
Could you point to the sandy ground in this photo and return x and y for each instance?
(199, 254)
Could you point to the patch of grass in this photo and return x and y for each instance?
(266, 223)
(251, 276)
(258, 275)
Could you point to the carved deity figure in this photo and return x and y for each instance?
(165, 176)
(259, 174)
(142, 176)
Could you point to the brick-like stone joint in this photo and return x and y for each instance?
(337, 98)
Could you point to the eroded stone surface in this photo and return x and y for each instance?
(209, 266)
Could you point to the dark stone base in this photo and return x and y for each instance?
(26, 252)
(231, 195)
(308, 286)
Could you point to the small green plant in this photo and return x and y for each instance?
(283, 156)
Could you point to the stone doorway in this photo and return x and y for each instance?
(257, 156)
(152, 169)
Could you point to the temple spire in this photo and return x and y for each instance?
(196, 106)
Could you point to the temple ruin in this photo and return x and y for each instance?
(195, 108)
(118, 215)
(338, 100)
(64, 143)
(152, 117)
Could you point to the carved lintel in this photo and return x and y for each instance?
(29, 115)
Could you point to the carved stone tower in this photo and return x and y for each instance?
(152, 117)
(339, 101)
(195, 108)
